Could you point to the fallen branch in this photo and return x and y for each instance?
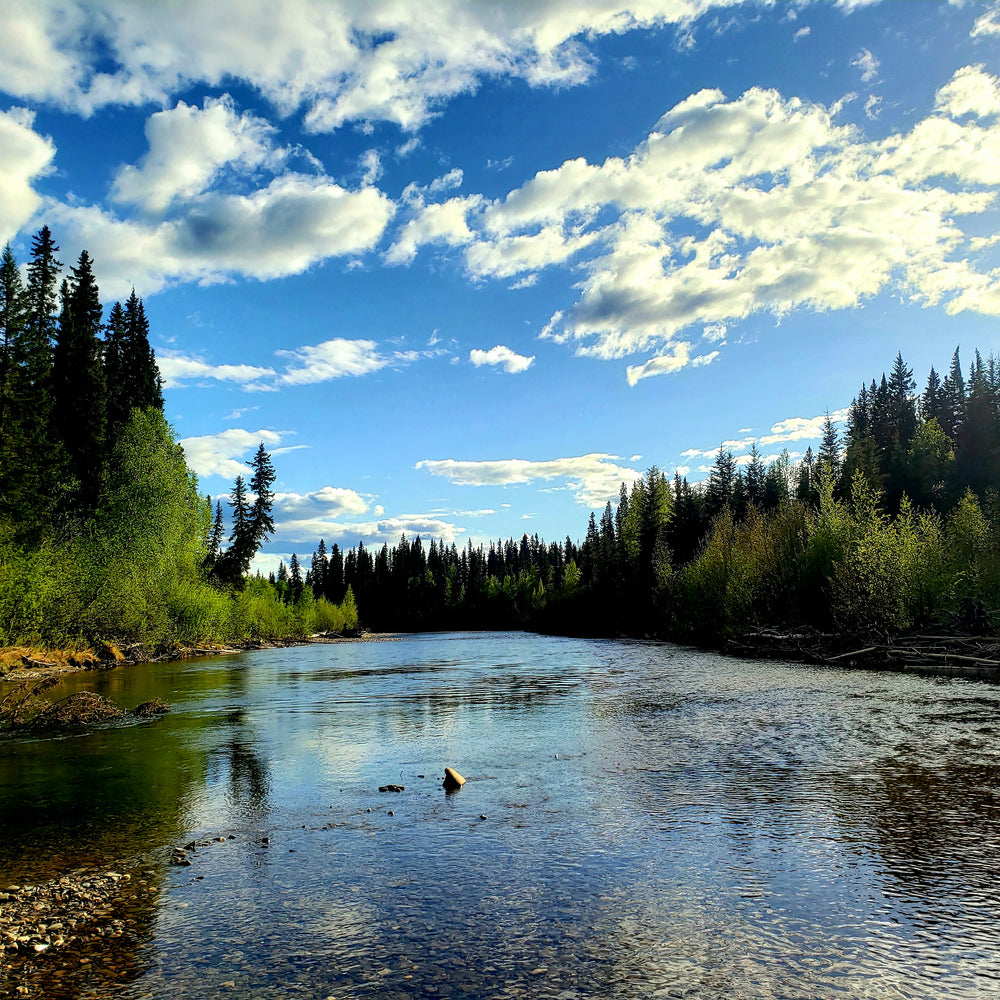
(856, 652)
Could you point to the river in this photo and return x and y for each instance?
(639, 820)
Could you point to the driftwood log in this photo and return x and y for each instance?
(934, 651)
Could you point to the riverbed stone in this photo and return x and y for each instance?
(452, 779)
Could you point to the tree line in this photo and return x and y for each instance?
(103, 533)
(68, 386)
(890, 524)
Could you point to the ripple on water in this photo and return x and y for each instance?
(659, 822)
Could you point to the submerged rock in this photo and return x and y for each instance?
(392, 788)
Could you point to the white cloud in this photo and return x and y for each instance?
(443, 223)
(279, 230)
(987, 24)
(594, 478)
(873, 106)
(314, 515)
(372, 532)
(188, 148)
(503, 357)
(665, 364)
(970, 91)
(800, 428)
(704, 359)
(24, 157)
(803, 32)
(222, 454)
(446, 182)
(178, 369)
(371, 167)
(735, 207)
(789, 429)
(312, 363)
(868, 65)
(334, 358)
(340, 60)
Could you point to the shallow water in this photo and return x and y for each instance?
(639, 820)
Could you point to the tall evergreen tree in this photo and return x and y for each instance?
(78, 411)
(953, 398)
(30, 483)
(901, 402)
(260, 522)
(932, 401)
(977, 439)
(12, 311)
(828, 458)
(217, 534)
(240, 538)
(755, 476)
(721, 481)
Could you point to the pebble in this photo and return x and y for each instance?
(38, 919)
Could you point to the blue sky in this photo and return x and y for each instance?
(465, 267)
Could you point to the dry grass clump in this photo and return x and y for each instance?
(16, 657)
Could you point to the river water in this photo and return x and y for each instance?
(639, 820)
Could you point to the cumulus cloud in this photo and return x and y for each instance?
(306, 533)
(223, 454)
(24, 157)
(761, 203)
(971, 91)
(502, 357)
(340, 60)
(594, 478)
(443, 223)
(188, 148)
(281, 229)
(317, 514)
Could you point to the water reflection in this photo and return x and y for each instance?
(639, 820)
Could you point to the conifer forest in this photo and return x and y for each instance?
(105, 538)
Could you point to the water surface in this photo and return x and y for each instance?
(639, 820)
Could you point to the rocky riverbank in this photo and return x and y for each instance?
(20, 663)
(52, 931)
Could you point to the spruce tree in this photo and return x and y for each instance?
(721, 480)
(828, 458)
(217, 534)
(295, 585)
(78, 411)
(30, 484)
(12, 310)
(144, 386)
(260, 523)
(240, 551)
(755, 477)
(932, 401)
(953, 398)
